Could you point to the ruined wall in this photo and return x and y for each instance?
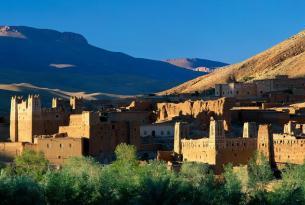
(200, 110)
(140, 105)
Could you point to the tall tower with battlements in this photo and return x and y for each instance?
(25, 118)
(14, 118)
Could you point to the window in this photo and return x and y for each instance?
(48, 146)
(168, 132)
(59, 157)
(70, 145)
(60, 145)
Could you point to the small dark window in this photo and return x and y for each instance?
(113, 127)
(59, 157)
(60, 145)
(70, 145)
(48, 146)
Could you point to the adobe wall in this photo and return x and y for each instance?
(198, 150)
(57, 150)
(237, 151)
(289, 150)
(9, 150)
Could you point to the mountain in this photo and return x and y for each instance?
(196, 64)
(66, 61)
(285, 58)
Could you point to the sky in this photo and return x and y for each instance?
(223, 30)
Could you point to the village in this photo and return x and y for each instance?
(266, 116)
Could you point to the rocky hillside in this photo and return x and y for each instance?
(65, 60)
(286, 58)
(196, 64)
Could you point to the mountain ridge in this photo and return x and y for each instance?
(65, 60)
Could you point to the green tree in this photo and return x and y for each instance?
(126, 154)
(232, 186)
(291, 188)
(260, 174)
(29, 163)
(158, 185)
(20, 190)
(204, 189)
(77, 183)
(120, 180)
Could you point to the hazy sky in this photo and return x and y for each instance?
(224, 30)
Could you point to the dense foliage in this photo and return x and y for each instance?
(31, 180)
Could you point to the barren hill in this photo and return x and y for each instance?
(285, 58)
(65, 60)
(196, 64)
